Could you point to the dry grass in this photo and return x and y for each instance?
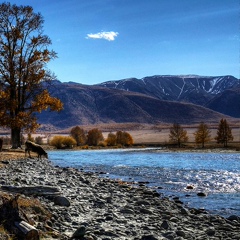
(4, 234)
(33, 206)
(9, 154)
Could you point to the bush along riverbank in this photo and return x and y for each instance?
(50, 202)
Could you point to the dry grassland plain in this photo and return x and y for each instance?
(154, 136)
(143, 133)
(155, 133)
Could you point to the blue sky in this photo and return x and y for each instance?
(102, 40)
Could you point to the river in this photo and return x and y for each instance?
(216, 174)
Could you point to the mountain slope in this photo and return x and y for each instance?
(84, 104)
(189, 88)
(227, 102)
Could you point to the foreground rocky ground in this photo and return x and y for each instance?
(84, 206)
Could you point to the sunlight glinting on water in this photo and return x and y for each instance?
(217, 174)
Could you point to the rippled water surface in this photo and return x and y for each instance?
(217, 174)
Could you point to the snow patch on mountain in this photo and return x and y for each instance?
(183, 88)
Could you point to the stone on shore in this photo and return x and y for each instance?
(79, 233)
(202, 194)
(62, 201)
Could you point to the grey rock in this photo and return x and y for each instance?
(181, 233)
(233, 217)
(127, 211)
(62, 201)
(166, 225)
(149, 237)
(143, 202)
(211, 231)
(174, 219)
(80, 232)
(185, 211)
(146, 211)
(202, 194)
(226, 227)
(170, 235)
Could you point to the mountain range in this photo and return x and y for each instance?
(157, 99)
(186, 88)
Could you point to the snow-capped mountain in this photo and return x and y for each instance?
(88, 104)
(157, 99)
(184, 88)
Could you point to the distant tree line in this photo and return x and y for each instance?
(94, 137)
(202, 135)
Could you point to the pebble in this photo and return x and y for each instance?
(96, 208)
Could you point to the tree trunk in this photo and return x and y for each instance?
(16, 138)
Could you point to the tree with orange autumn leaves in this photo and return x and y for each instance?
(24, 78)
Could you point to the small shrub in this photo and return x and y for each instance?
(69, 142)
(111, 139)
(85, 147)
(4, 234)
(102, 144)
(56, 141)
(63, 142)
(124, 138)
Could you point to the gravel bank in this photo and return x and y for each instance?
(90, 207)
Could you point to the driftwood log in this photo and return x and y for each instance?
(28, 231)
(33, 190)
(15, 220)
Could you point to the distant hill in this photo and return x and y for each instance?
(84, 104)
(184, 88)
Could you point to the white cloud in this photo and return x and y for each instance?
(110, 36)
(234, 38)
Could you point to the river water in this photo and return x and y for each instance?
(217, 174)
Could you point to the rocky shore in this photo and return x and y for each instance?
(85, 206)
